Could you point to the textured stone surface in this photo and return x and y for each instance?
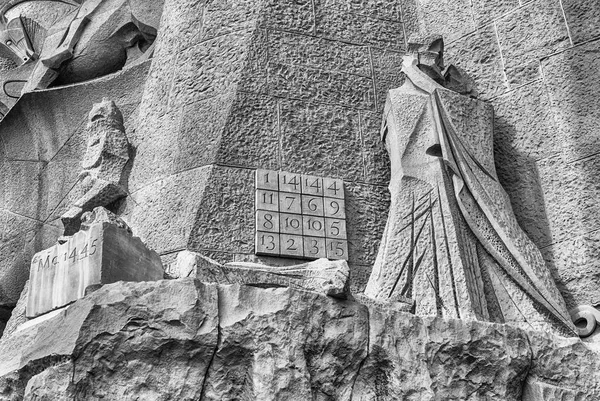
(181, 339)
(323, 276)
(583, 18)
(531, 32)
(479, 55)
(573, 88)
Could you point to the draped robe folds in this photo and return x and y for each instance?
(452, 243)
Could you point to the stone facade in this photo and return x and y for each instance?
(231, 86)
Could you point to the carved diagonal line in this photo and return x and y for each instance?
(408, 258)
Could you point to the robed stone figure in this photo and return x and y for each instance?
(452, 245)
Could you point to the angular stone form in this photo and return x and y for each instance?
(100, 254)
(100, 183)
(452, 242)
(186, 340)
(324, 276)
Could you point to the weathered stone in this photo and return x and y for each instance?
(479, 55)
(324, 276)
(485, 11)
(289, 15)
(333, 23)
(310, 137)
(315, 52)
(526, 35)
(299, 82)
(583, 19)
(101, 181)
(176, 318)
(573, 87)
(522, 136)
(386, 73)
(181, 339)
(447, 18)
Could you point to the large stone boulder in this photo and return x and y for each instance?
(186, 340)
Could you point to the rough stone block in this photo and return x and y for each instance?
(576, 265)
(280, 354)
(573, 88)
(101, 254)
(524, 133)
(387, 9)
(327, 277)
(387, 65)
(493, 352)
(250, 137)
(172, 214)
(571, 192)
(366, 210)
(334, 23)
(533, 31)
(583, 18)
(321, 140)
(224, 214)
(299, 82)
(289, 15)
(210, 68)
(377, 161)
(485, 11)
(479, 55)
(309, 51)
(223, 17)
(450, 18)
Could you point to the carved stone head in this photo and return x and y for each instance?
(429, 53)
(104, 117)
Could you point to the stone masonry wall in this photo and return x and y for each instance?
(286, 85)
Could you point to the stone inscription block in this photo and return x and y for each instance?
(290, 224)
(337, 249)
(290, 203)
(334, 208)
(312, 205)
(300, 216)
(289, 182)
(267, 243)
(267, 221)
(102, 254)
(314, 247)
(267, 200)
(291, 245)
(333, 188)
(267, 179)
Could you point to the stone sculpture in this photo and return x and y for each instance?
(99, 37)
(101, 181)
(452, 242)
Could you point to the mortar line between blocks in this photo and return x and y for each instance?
(501, 55)
(562, 8)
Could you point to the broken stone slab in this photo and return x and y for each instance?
(322, 275)
(101, 253)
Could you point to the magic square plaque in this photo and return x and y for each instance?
(300, 216)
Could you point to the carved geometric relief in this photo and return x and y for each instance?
(300, 216)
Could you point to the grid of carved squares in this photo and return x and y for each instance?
(300, 216)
